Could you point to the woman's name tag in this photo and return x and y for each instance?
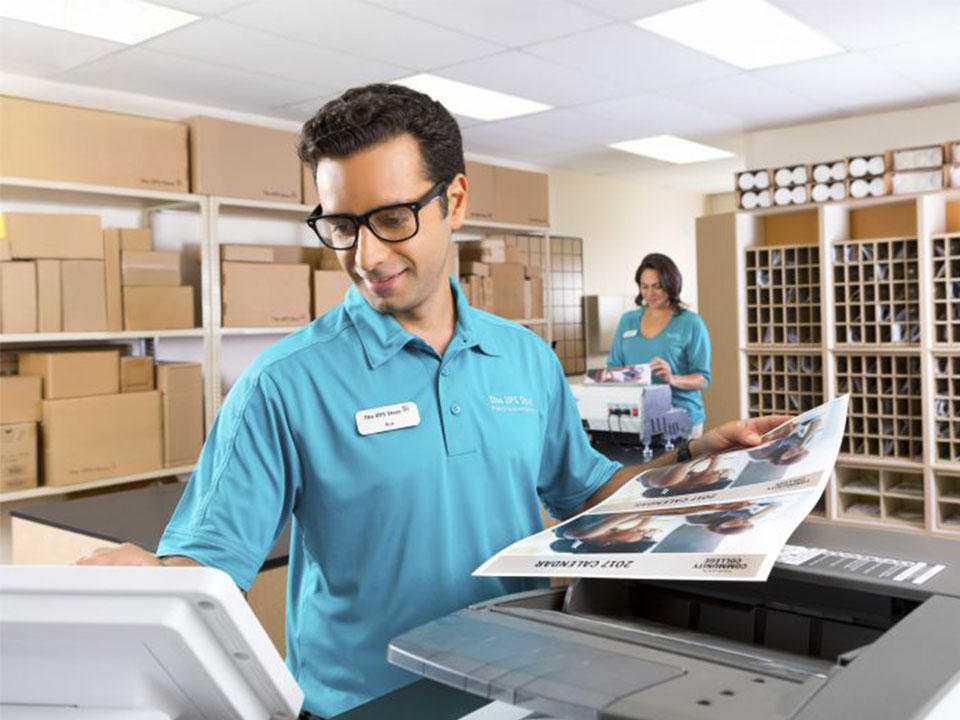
(630, 334)
(387, 418)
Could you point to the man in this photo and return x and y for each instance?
(409, 436)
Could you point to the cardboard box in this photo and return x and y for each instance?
(18, 297)
(480, 186)
(101, 436)
(285, 254)
(533, 298)
(486, 294)
(508, 289)
(49, 297)
(136, 239)
(18, 457)
(919, 158)
(5, 253)
(54, 236)
(265, 295)
(84, 295)
(20, 399)
(512, 254)
(328, 260)
(244, 161)
(309, 187)
(329, 287)
(136, 373)
(521, 196)
(471, 267)
(532, 271)
(59, 142)
(491, 250)
(8, 363)
(74, 373)
(150, 268)
(163, 307)
(112, 276)
(181, 387)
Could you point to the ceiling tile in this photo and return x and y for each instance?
(755, 102)
(631, 9)
(634, 59)
(533, 78)
(205, 8)
(861, 24)
(650, 114)
(225, 43)
(28, 49)
(149, 72)
(572, 124)
(933, 63)
(363, 30)
(300, 111)
(499, 139)
(851, 81)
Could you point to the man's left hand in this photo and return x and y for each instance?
(735, 434)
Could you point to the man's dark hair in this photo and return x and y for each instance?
(670, 278)
(366, 116)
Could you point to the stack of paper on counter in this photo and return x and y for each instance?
(719, 517)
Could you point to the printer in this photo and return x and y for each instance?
(865, 625)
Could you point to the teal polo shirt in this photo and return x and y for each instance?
(388, 527)
(684, 343)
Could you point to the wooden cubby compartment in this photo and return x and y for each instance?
(948, 501)
(946, 289)
(885, 417)
(947, 407)
(784, 383)
(892, 495)
(783, 295)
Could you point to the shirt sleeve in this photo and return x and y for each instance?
(615, 356)
(570, 469)
(698, 350)
(243, 489)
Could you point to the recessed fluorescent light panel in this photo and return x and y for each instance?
(471, 101)
(123, 21)
(750, 34)
(671, 149)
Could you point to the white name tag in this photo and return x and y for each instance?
(387, 418)
(630, 333)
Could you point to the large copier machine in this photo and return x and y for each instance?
(866, 629)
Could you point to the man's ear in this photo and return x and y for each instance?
(457, 201)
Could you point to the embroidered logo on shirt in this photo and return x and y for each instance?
(512, 403)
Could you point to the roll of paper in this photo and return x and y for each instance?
(783, 177)
(838, 171)
(745, 181)
(765, 199)
(761, 179)
(821, 173)
(782, 196)
(877, 165)
(838, 191)
(800, 175)
(859, 188)
(799, 194)
(927, 157)
(749, 200)
(858, 168)
(878, 187)
(820, 192)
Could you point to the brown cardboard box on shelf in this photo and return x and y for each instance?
(472, 267)
(328, 260)
(60, 142)
(284, 254)
(243, 161)
(265, 295)
(508, 289)
(521, 196)
(101, 436)
(533, 298)
(18, 457)
(491, 250)
(5, 253)
(84, 295)
(486, 294)
(150, 268)
(74, 373)
(54, 236)
(136, 373)
(49, 297)
(113, 278)
(20, 399)
(8, 363)
(329, 287)
(512, 254)
(163, 307)
(131, 239)
(532, 271)
(480, 205)
(18, 297)
(181, 388)
(309, 188)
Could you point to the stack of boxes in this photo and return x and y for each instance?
(97, 415)
(64, 273)
(919, 169)
(494, 278)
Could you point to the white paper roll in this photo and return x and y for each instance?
(858, 167)
(820, 192)
(877, 165)
(955, 173)
(878, 187)
(783, 177)
(927, 157)
(859, 188)
(799, 194)
(749, 200)
(782, 196)
(821, 173)
(919, 181)
(838, 171)
(745, 181)
(765, 199)
(762, 179)
(800, 175)
(838, 191)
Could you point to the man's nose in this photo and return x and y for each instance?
(371, 250)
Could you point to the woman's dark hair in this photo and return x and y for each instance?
(366, 116)
(670, 278)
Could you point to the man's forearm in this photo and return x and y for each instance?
(178, 561)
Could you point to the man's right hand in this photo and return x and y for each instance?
(125, 554)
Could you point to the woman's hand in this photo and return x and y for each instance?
(735, 434)
(660, 368)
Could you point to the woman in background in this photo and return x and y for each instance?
(672, 338)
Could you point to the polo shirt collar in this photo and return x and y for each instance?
(382, 336)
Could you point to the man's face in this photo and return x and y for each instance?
(394, 277)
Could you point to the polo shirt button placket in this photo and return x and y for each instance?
(455, 409)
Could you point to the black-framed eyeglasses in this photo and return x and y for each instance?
(390, 223)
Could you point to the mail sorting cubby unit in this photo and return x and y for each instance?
(948, 501)
(783, 382)
(876, 286)
(885, 418)
(783, 295)
(892, 495)
(947, 407)
(946, 288)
